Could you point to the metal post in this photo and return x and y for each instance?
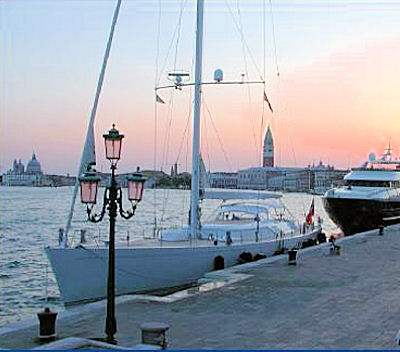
(111, 323)
(258, 227)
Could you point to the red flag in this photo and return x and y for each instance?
(269, 104)
(309, 217)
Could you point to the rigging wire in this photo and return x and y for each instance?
(170, 114)
(244, 41)
(170, 107)
(260, 140)
(264, 72)
(274, 37)
(186, 198)
(156, 119)
(186, 194)
(207, 148)
(217, 134)
(167, 134)
(188, 119)
(185, 136)
(179, 32)
(166, 150)
(271, 10)
(177, 28)
(186, 129)
(247, 75)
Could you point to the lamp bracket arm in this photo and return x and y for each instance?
(99, 217)
(125, 214)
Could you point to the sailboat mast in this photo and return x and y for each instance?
(194, 204)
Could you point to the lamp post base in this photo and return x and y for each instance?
(111, 341)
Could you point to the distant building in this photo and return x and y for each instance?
(298, 181)
(314, 179)
(326, 177)
(34, 167)
(256, 177)
(18, 176)
(268, 149)
(276, 183)
(174, 170)
(272, 178)
(223, 179)
(18, 167)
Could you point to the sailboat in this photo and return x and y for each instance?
(246, 223)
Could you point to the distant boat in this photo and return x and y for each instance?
(370, 197)
(247, 223)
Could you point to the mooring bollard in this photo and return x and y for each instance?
(47, 325)
(154, 334)
(292, 253)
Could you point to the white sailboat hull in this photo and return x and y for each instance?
(81, 273)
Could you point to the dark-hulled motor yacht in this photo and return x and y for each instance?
(369, 198)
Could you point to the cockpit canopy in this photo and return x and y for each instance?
(271, 209)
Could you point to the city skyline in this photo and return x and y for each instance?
(24, 164)
(334, 100)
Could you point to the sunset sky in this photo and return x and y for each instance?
(335, 99)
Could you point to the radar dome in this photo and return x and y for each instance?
(218, 75)
(371, 157)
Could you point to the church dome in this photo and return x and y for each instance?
(33, 166)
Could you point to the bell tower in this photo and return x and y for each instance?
(268, 149)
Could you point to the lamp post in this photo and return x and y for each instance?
(112, 202)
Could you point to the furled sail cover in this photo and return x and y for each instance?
(204, 182)
(89, 153)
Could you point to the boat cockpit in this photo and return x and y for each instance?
(237, 213)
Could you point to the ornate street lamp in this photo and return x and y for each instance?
(135, 186)
(112, 202)
(89, 185)
(113, 144)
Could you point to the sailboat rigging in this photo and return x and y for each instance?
(242, 224)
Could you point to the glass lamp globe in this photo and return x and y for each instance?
(89, 182)
(113, 144)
